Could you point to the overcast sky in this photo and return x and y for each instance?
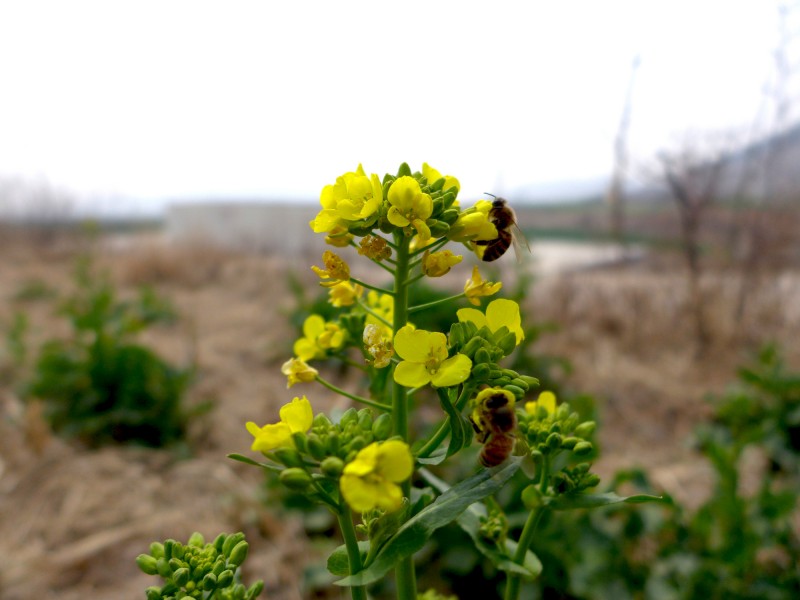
(147, 102)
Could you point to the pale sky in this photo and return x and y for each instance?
(147, 102)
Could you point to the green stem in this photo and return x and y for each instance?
(432, 248)
(514, 580)
(415, 279)
(353, 553)
(373, 313)
(419, 307)
(405, 577)
(353, 397)
(371, 287)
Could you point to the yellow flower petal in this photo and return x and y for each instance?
(412, 344)
(472, 315)
(411, 374)
(272, 436)
(394, 461)
(503, 312)
(452, 371)
(297, 415)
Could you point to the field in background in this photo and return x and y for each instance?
(73, 520)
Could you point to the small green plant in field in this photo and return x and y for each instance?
(380, 468)
(100, 385)
(199, 570)
(739, 544)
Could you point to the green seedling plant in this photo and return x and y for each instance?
(375, 467)
(99, 385)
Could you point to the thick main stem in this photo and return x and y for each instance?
(353, 553)
(404, 571)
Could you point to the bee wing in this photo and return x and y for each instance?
(517, 239)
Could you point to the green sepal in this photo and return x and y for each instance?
(411, 537)
(572, 501)
(339, 563)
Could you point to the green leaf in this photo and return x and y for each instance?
(435, 458)
(339, 562)
(470, 522)
(412, 536)
(255, 463)
(571, 501)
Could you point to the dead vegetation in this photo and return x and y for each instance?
(72, 520)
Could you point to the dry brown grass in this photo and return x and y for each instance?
(71, 520)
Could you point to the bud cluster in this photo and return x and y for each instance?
(328, 447)
(551, 433)
(485, 348)
(199, 570)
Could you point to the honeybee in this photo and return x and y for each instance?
(508, 232)
(494, 421)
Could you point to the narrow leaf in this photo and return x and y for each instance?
(249, 461)
(571, 501)
(435, 458)
(411, 537)
(339, 561)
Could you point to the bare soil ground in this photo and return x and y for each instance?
(72, 520)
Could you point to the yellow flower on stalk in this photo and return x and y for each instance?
(295, 417)
(371, 479)
(344, 293)
(476, 287)
(336, 269)
(319, 337)
(546, 400)
(374, 247)
(425, 360)
(499, 313)
(354, 196)
(378, 344)
(339, 237)
(297, 371)
(473, 224)
(432, 175)
(409, 206)
(439, 263)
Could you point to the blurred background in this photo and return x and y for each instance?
(159, 164)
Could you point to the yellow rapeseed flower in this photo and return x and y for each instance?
(344, 293)
(319, 337)
(476, 287)
(432, 175)
(410, 206)
(371, 479)
(354, 196)
(473, 224)
(378, 344)
(499, 313)
(297, 371)
(425, 360)
(439, 263)
(336, 269)
(339, 237)
(296, 416)
(546, 400)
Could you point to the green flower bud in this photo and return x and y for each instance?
(531, 497)
(148, 564)
(518, 392)
(569, 443)
(472, 346)
(333, 443)
(582, 448)
(162, 566)
(300, 442)
(365, 419)
(168, 545)
(456, 335)
(439, 228)
(153, 593)
(231, 541)
(219, 566)
(555, 427)
(507, 343)
(585, 429)
(321, 421)
(562, 412)
(449, 216)
(590, 481)
(181, 577)
(403, 170)
(254, 590)
(175, 564)
(315, 446)
(224, 579)
(553, 441)
(332, 466)
(350, 417)
(238, 554)
(357, 443)
(436, 186)
(449, 197)
(500, 381)
(157, 549)
(582, 468)
(481, 372)
(209, 582)
(197, 540)
(495, 374)
(520, 383)
(531, 381)
(288, 456)
(295, 479)
(382, 427)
